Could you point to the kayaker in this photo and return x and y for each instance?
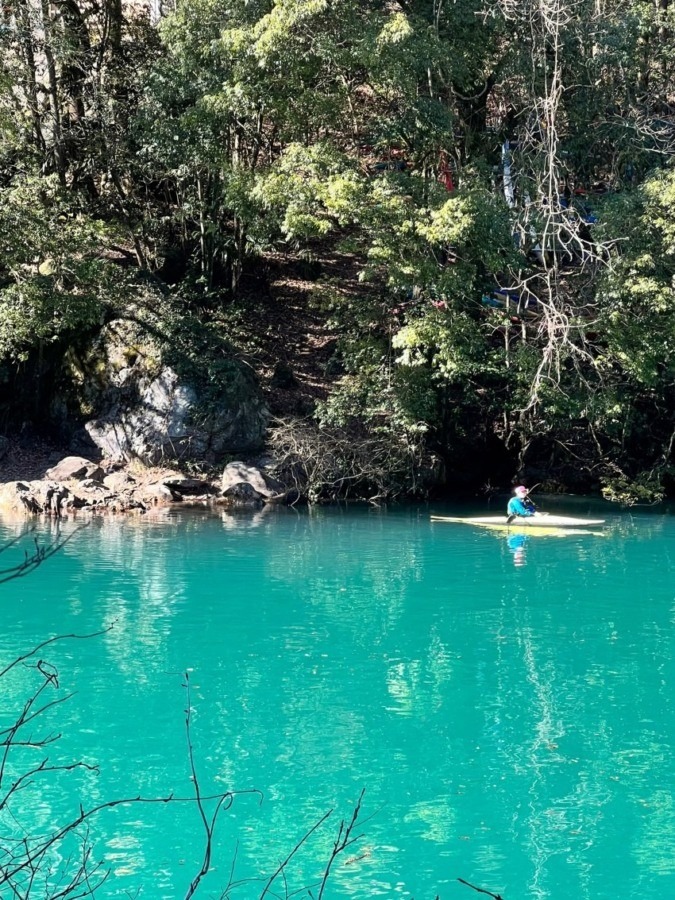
(521, 505)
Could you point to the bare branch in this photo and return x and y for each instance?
(344, 839)
(37, 557)
(53, 640)
(223, 801)
(295, 849)
(480, 890)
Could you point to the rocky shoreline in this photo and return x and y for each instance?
(79, 485)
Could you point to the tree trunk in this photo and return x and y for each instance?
(30, 85)
(60, 159)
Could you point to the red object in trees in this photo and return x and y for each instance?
(445, 178)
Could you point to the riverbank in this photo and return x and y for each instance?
(39, 478)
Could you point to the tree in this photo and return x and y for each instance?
(454, 150)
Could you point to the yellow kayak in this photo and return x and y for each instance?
(557, 526)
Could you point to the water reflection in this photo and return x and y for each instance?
(435, 818)
(516, 732)
(516, 544)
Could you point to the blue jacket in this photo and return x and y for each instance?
(518, 507)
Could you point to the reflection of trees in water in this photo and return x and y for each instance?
(551, 719)
(549, 821)
(655, 847)
(525, 688)
(419, 687)
(351, 569)
(323, 655)
(437, 818)
(129, 572)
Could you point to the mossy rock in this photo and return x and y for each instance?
(154, 400)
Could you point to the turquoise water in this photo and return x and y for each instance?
(508, 708)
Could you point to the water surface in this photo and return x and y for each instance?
(506, 705)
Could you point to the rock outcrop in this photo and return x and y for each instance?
(74, 468)
(150, 406)
(37, 498)
(79, 485)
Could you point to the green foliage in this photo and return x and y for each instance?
(240, 127)
(645, 490)
(638, 293)
(309, 192)
(53, 280)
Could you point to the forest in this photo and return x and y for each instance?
(472, 201)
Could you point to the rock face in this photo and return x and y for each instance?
(146, 410)
(164, 422)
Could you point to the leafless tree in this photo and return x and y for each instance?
(566, 258)
(60, 861)
(332, 464)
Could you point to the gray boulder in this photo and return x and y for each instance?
(242, 494)
(74, 468)
(239, 473)
(152, 411)
(119, 481)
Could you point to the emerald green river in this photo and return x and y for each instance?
(506, 705)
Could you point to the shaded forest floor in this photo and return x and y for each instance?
(283, 329)
(279, 327)
(26, 457)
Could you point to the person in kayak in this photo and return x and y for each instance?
(521, 506)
